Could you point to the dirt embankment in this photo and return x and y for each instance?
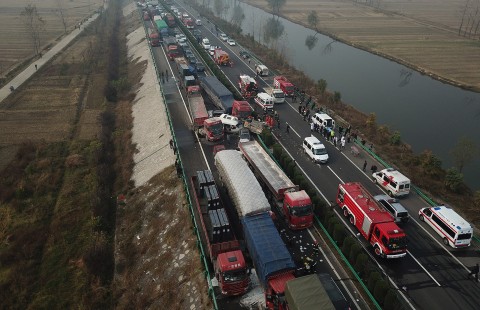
(157, 261)
(422, 35)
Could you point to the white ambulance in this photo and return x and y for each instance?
(395, 183)
(454, 230)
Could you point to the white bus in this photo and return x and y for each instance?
(454, 230)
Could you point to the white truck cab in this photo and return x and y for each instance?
(395, 183)
(277, 94)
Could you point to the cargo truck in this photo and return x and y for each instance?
(196, 105)
(169, 19)
(281, 82)
(294, 206)
(217, 92)
(272, 261)
(373, 222)
(223, 248)
(307, 293)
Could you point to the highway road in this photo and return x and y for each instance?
(435, 277)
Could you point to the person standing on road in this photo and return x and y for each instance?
(312, 126)
(365, 166)
(474, 272)
(288, 128)
(342, 142)
(36, 67)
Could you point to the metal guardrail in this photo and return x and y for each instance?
(203, 257)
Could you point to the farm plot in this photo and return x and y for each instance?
(15, 39)
(420, 34)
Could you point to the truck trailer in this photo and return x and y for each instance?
(295, 206)
(307, 293)
(373, 222)
(271, 259)
(217, 92)
(223, 247)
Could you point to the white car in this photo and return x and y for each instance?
(206, 43)
(180, 37)
(223, 37)
(212, 49)
(231, 42)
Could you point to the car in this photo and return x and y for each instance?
(223, 37)
(206, 43)
(244, 54)
(198, 22)
(200, 67)
(244, 135)
(192, 60)
(187, 51)
(212, 49)
(231, 42)
(392, 205)
(189, 54)
(196, 32)
(179, 37)
(183, 44)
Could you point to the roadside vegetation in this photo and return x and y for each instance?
(425, 169)
(57, 199)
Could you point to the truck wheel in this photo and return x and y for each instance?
(421, 218)
(375, 180)
(390, 193)
(352, 221)
(377, 251)
(345, 212)
(445, 241)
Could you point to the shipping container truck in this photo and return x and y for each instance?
(272, 261)
(293, 205)
(196, 105)
(373, 222)
(217, 92)
(223, 248)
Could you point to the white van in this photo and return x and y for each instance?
(455, 231)
(206, 43)
(395, 183)
(315, 150)
(264, 100)
(261, 70)
(322, 119)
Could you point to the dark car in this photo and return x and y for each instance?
(200, 67)
(187, 51)
(189, 54)
(244, 55)
(192, 60)
(197, 32)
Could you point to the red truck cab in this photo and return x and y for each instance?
(275, 291)
(213, 129)
(173, 52)
(231, 273)
(241, 109)
(284, 84)
(297, 207)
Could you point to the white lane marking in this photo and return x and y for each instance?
(291, 128)
(299, 167)
(428, 273)
(333, 268)
(335, 174)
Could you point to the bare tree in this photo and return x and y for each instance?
(463, 17)
(34, 24)
(276, 5)
(61, 12)
(464, 152)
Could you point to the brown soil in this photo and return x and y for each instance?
(420, 34)
(15, 42)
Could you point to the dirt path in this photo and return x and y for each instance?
(420, 34)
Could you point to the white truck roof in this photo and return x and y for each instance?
(243, 187)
